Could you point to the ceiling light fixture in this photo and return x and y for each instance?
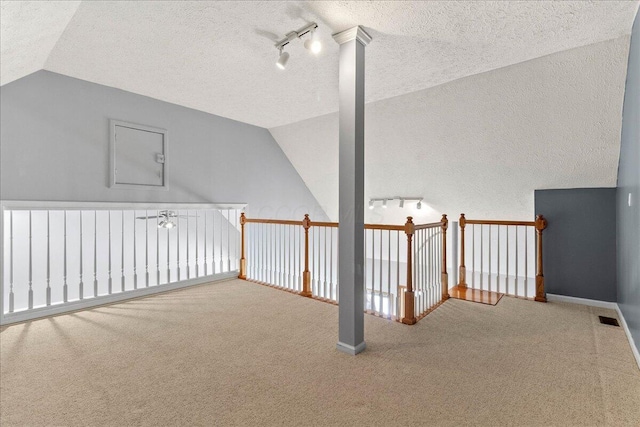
(370, 204)
(384, 203)
(312, 43)
(402, 203)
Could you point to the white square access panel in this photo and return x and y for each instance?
(138, 156)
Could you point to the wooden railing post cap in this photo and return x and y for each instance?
(409, 227)
(243, 219)
(541, 222)
(463, 220)
(306, 222)
(444, 221)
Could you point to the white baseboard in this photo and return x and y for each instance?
(40, 312)
(349, 349)
(582, 301)
(601, 304)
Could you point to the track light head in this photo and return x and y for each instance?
(282, 60)
(384, 203)
(370, 204)
(313, 44)
(402, 203)
(419, 205)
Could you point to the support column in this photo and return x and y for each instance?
(351, 198)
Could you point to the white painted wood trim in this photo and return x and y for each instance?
(101, 206)
(601, 304)
(582, 301)
(634, 348)
(40, 312)
(356, 33)
(112, 155)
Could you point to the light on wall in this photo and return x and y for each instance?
(311, 43)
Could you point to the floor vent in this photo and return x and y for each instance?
(609, 321)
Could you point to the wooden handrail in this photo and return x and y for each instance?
(490, 222)
(273, 221)
(329, 224)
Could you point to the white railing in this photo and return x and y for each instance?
(60, 256)
(427, 272)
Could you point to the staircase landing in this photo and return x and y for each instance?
(475, 295)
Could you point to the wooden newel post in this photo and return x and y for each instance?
(463, 268)
(409, 299)
(243, 261)
(306, 274)
(445, 275)
(541, 224)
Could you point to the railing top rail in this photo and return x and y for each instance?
(324, 224)
(273, 221)
(429, 225)
(491, 222)
(35, 205)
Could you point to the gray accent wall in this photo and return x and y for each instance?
(629, 183)
(579, 244)
(54, 145)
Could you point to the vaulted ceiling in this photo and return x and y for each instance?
(447, 107)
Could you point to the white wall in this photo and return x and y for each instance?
(54, 145)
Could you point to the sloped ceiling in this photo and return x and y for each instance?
(471, 105)
(219, 57)
(30, 30)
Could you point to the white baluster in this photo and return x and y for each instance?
(81, 285)
(515, 283)
(122, 279)
(65, 293)
(158, 248)
(489, 273)
(146, 248)
(48, 259)
(473, 255)
(506, 279)
(168, 252)
(228, 240)
(110, 287)
(178, 243)
(31, 262)
(188, 258)
(397, 293)
(206, 269)
(481, 256)
(213, 242)
(135, 252)
(11, 295)
(197, 242)
(526, 264)
(221, 240)
(498, 261)
(95, 254)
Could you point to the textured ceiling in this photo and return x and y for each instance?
(449, 116)
(482, 144)
(219, 57)
(29, 31)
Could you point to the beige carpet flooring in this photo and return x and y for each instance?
(237, 353)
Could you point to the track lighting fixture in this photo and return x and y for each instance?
(311, 43)
(401, 200)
